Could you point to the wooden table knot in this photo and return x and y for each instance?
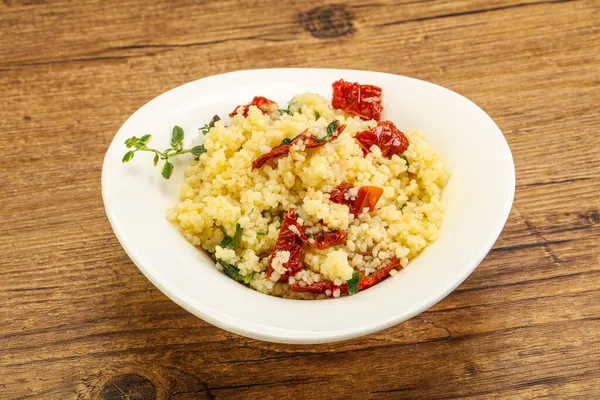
(328, 21)
(129, 387)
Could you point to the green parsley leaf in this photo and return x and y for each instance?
(317, 115)
(128, 156)
(353, 283)
(177, 135)
(230, 270)
(332, 127)
(405, 159)
(234, 273)
(249, 278)
(167, 170)
(289, 140)
(229, 242)
(197, 150)
(155, 161)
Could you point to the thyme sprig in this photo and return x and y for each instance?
(176, 149)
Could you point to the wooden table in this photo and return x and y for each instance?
(80, 321)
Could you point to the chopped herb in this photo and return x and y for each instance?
(261, 233)
(405, 159)
(331, 128)
(285, 111)
(289, 140)
(229, 242)
(311, 236)
(206, 128)
(249, 278)
(353, 283)
(176, 149)
(234, 273)
(317, 115)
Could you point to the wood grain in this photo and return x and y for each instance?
(78, 319)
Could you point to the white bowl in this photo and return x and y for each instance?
(478, 199)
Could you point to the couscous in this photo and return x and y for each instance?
(321, 199)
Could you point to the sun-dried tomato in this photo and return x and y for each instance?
(356, 99)
(385, 136)
(373, 279)
(367, 196)
(276, 152)
(365, 282)
(288, 240)
(265, 105)
(320, 288)
(284, 148)
(323, 240)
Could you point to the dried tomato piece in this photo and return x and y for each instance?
(288, 240)
(309, 141)
(356, 99)
(337, 195)
(265, 105)
(276, 152)
(367, 196)
(373, 279)
(323, 240)
(320, 288)
(317, 287)
(385, 136)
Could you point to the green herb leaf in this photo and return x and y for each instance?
(353, 283)
(128, 156)
(332, 127)
(289, 140)
(261, 233)
(197, 150)
(155, 159)
(213, 121)
(167, 170)
(177, 135)
(230, 270)
(145, 139)
(234, 273)
(317, 115)
(129, 142)
(229, 242)
(207, 127)
(249, 278)
(405, 159)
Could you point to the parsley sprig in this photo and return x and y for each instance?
(354, 283)
(234, 273)
(229, 242)
(331, 128)
(176, 149)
